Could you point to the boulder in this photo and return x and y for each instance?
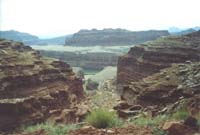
(177, 128)
(192, 122)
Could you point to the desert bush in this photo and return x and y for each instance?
(181, 114)
(152, 122)
(51, 129)
(102, 118)
(148, 121)
(158, 131)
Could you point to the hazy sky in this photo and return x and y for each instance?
(58, 17)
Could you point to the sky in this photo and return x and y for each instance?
(48, 18)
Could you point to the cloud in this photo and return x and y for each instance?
(54, 17)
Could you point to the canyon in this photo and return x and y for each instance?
(155, 78)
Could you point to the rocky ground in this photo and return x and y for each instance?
(102, 99)
(130, 130)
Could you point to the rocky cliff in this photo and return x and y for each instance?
(148, 58)
(165, 87)
(35, 88)
(107, 37)
(161, 75)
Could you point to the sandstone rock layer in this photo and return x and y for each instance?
(148, 58)
(31, 86)
(162, 75)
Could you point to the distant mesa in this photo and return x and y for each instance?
(112, 37)
(30, 39)
(93, 37)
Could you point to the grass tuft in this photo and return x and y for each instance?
(51, 129)
(181, 114)
(148, 121)
(102, 118)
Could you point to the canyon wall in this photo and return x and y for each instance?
(162, 75)
(150, 57)
(34, 88)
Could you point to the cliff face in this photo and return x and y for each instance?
(166, 86)
(148, 58)
(33, 88)
(112, 37)
(162, 75)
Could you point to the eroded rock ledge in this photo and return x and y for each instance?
(150, 57)
(34, 88)
(161, 75)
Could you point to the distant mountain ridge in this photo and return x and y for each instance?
(107, 37)
(18, 36)
(179, 31)
(30, 39)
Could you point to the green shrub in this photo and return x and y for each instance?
(102, 118)
(181, 114)
(50, 128)
(154, 123)
(148, 121)
(157, 131)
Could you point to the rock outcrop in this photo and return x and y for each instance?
(162, 75)
(148, 58)
(178, 128)
(34, 88)
(170, 86)
(108, 37)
